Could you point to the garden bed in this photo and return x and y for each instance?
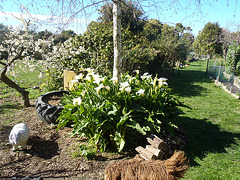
(50, 153)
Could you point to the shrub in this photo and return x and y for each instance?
(114, 115)
(233, 59)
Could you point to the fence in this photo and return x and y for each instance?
(230, 82)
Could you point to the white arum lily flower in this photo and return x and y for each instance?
(146, 76)
(96, 76)
(136, 71)
(107, 88)
(128, 89)
(99, 88)
(114, 80)
(140, 92)
(162, 81)
(130, 79)
(123, 86)
(79, 77)
(83, 93)
(97, 79)
(72, 83)
(88, 78)
(154, 82)
(77, 101)
(90, 71)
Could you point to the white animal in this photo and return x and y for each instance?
(19, 136)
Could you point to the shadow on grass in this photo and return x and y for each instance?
(6, 107)
(205, 137)
(187, 83)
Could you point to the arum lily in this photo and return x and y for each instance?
(128, 89)
(140, 92)
(114, 80)
(99, 87)
(146, 76)
(80, 76)
(77, 101)
(136, 71)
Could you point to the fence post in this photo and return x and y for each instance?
(68, 76)
(219, 71)
(207, 65)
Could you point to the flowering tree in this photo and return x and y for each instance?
(18, 45)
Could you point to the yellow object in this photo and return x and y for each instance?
(68, 76)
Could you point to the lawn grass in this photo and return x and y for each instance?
(212, 126)
(25, 78)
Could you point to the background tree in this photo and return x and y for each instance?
(173, 45)
(132, 16)
(152, 29)
(209, 39)
(3, 31)
(63, 36)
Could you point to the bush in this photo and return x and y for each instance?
(114, 115)
(233, 59)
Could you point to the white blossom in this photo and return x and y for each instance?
(79, 77)
(99, 88)
(114, 80)
(77, 101)
(146, 76)
(140, 92)
(136, 71)
(128, 89)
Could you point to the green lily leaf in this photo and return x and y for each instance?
(133, 124)
(138, 107)
(119, 141)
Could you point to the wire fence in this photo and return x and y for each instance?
(230, 82)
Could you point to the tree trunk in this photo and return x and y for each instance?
(13, 85)
(117, 66)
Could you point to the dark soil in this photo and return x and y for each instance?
(50, 154)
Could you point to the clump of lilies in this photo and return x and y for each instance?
(114, 114)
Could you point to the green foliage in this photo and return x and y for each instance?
(232, 62)
(97, 43)
(209, 40)
(152, 29)
(53, 80)
(131, 16)
(173, 45)
(116, 115)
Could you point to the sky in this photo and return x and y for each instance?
(188, 12)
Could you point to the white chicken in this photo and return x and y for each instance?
(19, 136)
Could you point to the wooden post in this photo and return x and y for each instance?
(157, 142)
(68, 76)
(145, 154)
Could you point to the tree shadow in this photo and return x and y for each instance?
(185, 84)
(45, 149)
(9, 106)
(4, 133)
(205, 137)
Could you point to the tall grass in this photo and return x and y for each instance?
(212, 126)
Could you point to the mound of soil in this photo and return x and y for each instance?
(50, 154)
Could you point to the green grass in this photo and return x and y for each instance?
(25, 78)
(212, 126)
